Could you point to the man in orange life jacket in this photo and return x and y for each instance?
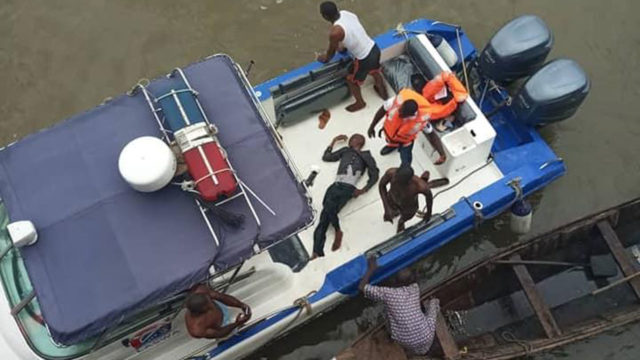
(405, 118)
(348, 30)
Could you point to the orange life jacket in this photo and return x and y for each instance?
(401, 131)
(434, 86)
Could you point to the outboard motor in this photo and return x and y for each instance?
(552, 94)
(517, 50)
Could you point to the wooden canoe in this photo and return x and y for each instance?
(535, 295)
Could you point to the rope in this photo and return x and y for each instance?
(211, 175)
(510, 338)
(303, 304)
(484, 92)
(464, 178)
(464, 64)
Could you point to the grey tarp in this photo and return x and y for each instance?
(106, 251)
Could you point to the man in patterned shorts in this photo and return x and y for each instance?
(406, 322)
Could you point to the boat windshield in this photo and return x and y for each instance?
(17, 286)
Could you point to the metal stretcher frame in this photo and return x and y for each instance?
(244, 189)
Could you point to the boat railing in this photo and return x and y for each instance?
(411, 233)
(276, 136)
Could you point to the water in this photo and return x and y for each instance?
(62, 57)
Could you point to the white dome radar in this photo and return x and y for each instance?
(147, 164)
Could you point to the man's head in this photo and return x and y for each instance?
(408, 108)
(356, 141)
(197, 304)
(405, 277)
(329, 11)
(418, 82)
(404, 174)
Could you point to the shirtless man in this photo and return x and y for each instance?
(208, 313)
(402, 197)
(348, 30)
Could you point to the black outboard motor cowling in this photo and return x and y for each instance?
(552, 94)
(517, 50)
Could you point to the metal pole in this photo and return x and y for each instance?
(233, 277)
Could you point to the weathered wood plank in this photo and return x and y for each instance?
(619, 254)
(447, 343)
(541, 309)
(378, 346)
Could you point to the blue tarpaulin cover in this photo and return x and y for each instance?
(106, 251)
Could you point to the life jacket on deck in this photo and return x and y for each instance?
(399, 131)
(459, 94)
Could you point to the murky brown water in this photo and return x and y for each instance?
(62, 57)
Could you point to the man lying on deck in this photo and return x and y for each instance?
(366, 54)
(208, 314)
(402, 197)
(353, 163)
(407, 324)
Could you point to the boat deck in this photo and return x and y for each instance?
(361, 218)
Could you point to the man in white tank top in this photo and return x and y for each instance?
(348, 30)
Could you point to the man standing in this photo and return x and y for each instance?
(402, 198)
(405, 116)
(366, 54)
(407, 324)
(208, 314)
(353, 163)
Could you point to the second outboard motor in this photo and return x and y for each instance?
(517, 50)
(552, 94)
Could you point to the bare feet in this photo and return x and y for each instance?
(323, 119)
(441, 160)
(356, 106)
(313, 256)
(337, 241)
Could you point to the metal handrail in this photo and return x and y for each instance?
(411, 233)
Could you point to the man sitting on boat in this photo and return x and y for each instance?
(407, 324)
(443, 94)
(353, 163)
(402, 197)
(209, 314)
(405, 115)
(366, 54)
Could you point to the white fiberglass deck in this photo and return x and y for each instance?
(361, 219)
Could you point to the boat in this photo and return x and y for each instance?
(97, 265)
(566, 285)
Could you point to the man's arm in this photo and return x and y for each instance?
(226, 299)
(376, 119)
(372, 265)
(217, 333)
(372, 172)
(329, 154)
(336, 35)
(429, 198)
(230, 301)
(382, 188)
